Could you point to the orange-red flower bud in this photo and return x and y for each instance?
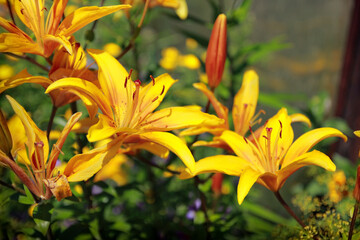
(216, 185)
(357, 186)
(216, 52)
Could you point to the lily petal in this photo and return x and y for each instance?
(112, 78)
(85, 15)
(174, 144)
(242, 147)
(310, 158)
(55, 14)
(246, 181)
(11, 42)
(102, 129)
(60, 142)
(279, 133)
(85, 90)
(309, 139)
(33, 133)
(221, 110)
(179, 117)
(298, 117)
(51, 42)
(84, 166)
(230, 165)
(21, 78)
(245, 102)
(154, 92)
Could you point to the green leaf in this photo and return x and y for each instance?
(239, 14)
(121, 226)
(199, 217)
(262, 212)
(42, 226)
(43, 211)
(276, 102)
(94, 228)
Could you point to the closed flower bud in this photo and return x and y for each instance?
(357, 186)
(216, 52)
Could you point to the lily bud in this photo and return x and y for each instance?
(357, 186)
(5, 137)
(216, 52)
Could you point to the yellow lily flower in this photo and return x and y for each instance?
(272, 156)
(64, 65)
(243, 111)
(39, 164)
(127, 108)
(172, 58)
(49, 33)
(180, 6)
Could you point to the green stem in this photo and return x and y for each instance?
(10, 11)
(144, 160)
(288, 209)
(353, 219)
(29, 59)
(51, 121)
(12, 187)
(203, 206)
(80, 144)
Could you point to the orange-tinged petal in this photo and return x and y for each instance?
(247, 179)
(154, 92)
(51, 42)
(310, 158)
(21, 78)
(85, 90)
(31, 13)
(84, 166)
(221, 110)
(33, 133)
(179, 117)
(11, 28)
(103, 129)
(298, 117)
(174, 144)
(83, 16)
(11, 42)
(55, 14)
(230, 165)
(245, 102)
(270, 181)
(60, 142)
(309, 139)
